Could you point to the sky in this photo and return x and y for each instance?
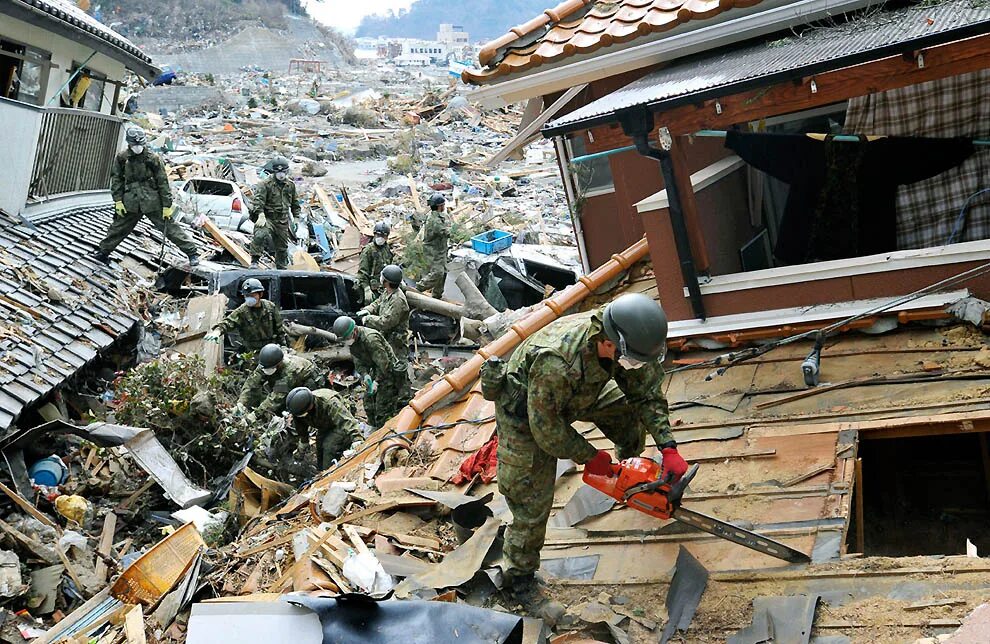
(346, 15)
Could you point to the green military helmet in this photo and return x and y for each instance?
(251, 285)
(136, 136)
(638, 326)
(343, 327)
(280, 164)
(382, 229)
(392, 274)
(436, 200)
(270, 356)
(299, 401)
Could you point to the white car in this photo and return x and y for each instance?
(218, 199)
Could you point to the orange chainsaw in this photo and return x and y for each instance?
(637, 482)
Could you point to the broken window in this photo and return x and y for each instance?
(208, 187)
(301, 292)
(23, 72)
(593, 176)
(85, 90)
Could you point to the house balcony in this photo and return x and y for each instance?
(51, 152)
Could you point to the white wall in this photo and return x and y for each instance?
(20, 125)
(64, 53)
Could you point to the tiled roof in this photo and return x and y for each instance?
(59, 307)
(582, 26)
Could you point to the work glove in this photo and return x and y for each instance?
(119, 208)
(673, 463)
(360, 315)
(212, 336)
(167, 212)
(600, 464)
(370, 384)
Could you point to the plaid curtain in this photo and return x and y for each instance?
(955, 106)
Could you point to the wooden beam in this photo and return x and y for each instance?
(105, 545)
(30, 509)
(242, 256)
(860, 512)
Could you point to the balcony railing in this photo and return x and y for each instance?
(74, 152)
(47, 152)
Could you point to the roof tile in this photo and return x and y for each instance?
(582, 26)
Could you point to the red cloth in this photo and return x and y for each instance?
(483, 462)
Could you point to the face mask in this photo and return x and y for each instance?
(630, 363)
(281, 176)
(349, 341)
(137, 149)
(379, 241)
(251, 300)
(269, 371)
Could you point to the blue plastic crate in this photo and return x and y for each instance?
(491, 241)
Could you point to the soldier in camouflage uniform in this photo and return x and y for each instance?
(603, 367)
(385, 378)
(140, 189)
(336, 427)
(436, 239)
(374, 257)
(256, 322)
(389, 314)
(264, 391)
(276, 198)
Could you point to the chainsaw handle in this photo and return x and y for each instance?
(677, 489)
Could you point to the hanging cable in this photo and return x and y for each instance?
(726, 360)
(960, 224)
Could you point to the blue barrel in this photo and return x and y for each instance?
(49, 472)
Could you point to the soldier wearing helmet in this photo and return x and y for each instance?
(602, 367)
(374, 257)
(389, 314)
(140, 188)
(436, 240)
(274, 198)
(327, 412)
(385, 377)
(263, 394)
(256, 322)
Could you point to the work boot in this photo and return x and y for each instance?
(525, 589)
(102, 256)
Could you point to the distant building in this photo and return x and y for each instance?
(420, 53)
(453, 35)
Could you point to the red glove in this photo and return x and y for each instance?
(600, 464)
(673, 463)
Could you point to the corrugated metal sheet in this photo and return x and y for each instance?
(819, 49)
(61, 337)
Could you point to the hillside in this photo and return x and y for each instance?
(482, 19)
(194, 19)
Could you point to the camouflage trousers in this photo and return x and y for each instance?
(272, 238)
(389, 397)
(330, 444)
(526, 473)
(123, 225)
(433, 281)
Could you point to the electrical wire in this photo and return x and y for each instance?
(960, 224)
(726, 360)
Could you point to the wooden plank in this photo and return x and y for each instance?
(860, 512)
(531, 130)
(936, 602)
(242, 256)
(356, 540)
(134, 625)
(26, 505)
(268, 545)
(105, 545)
(287, 573)
(138, 493)
(71, 569)
(751, 453)
(956, 421)
(682, 178)
(807, 475)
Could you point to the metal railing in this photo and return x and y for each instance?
(75, 151)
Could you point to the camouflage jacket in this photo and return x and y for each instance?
(373, 260)
(139, 180)
(329, 413)
(256, 326)
(436, 236)
(277, 199)
(373, 356)
(294, 371)
(389, 315)
(558, 373)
